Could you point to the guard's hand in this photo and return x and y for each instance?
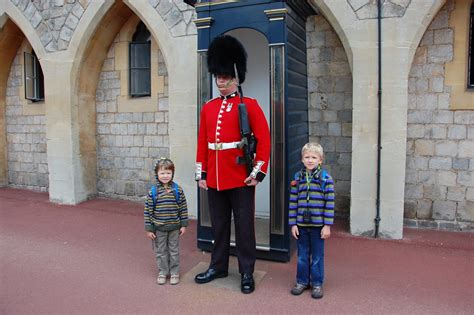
(250, 181)
(150, 235)
(295, 232)
(202, 184)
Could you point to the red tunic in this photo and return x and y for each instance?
(219, 123)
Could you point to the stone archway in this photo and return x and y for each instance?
(358, 33)
(11, 38)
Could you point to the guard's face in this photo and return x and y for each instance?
(164, 176)
(311, 160)
(226, 84)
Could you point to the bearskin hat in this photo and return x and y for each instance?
(225, 51)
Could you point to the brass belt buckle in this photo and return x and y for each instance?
(218, 146)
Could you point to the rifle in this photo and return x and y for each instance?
(248, 142)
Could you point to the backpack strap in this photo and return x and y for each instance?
(324, 176)
(153, 195)
(175, 191)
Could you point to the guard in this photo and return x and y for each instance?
(230, 162)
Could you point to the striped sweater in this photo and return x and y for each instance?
(320, 203)
(168, 214)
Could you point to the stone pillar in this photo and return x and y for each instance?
(62, 132)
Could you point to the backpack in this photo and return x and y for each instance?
(175, 192)
(323, 177)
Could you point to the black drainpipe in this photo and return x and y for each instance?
(379, 126)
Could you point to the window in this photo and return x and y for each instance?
(34, 86)
(140, 62)
(470, 79)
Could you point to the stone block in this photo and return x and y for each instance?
(428, 224)
(427, 177)
(413, 191)
(345, 116)
(443, 117)
(443, 36)
(66, 34)
(461, 164)
(434, 192)
(422, 86)
(420, 55)
(433, 70)
(410, 223)
(444, 210)
(464, 117)
(436, 85)
(457, 132)
(416, 71)
(444, 100)
(440, 21)
(470, 133)
(435, 131)
(328, 143)
(466, 149)
(446, 148)
(424, 209)
(446, 178)
(127, 141)
(330, 116)
(72, 21)
(344, 144)
(409, 210)
(138, 142)
(470, 194)
(347, 129)
(162, 129)
(334, 129)
(124, 118)
(440, 163)
(466, 211)
(411, 177)
(78, 10)
(466, 178)
(148, 117)
(151, 129)
(457, 193)
(419, 117)
(415, 131)
(319, 129)
(424, 147)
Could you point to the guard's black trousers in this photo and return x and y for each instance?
(240, 201)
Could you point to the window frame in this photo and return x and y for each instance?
(36, 77)
(144, 69)
(141, 46)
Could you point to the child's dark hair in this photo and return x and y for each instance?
(164, 164)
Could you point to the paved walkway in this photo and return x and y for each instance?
(94, 259)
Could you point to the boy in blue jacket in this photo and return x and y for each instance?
(311, 214)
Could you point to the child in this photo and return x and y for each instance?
(166, 218)
(311, 214)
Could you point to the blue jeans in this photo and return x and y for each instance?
(310, 256)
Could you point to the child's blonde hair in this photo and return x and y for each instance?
(314, 148)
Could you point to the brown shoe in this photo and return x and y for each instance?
(317, 292)
(298, 289)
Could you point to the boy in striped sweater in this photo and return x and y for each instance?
(311, 214)
(166, 218)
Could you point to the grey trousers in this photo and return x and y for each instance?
(166, 247)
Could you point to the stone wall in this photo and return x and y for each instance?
(53, 20)
(26, 136)
(128, 143)
(177, 15)
(330, 104)
(439, 191)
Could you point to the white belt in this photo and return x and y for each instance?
(223, 145)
